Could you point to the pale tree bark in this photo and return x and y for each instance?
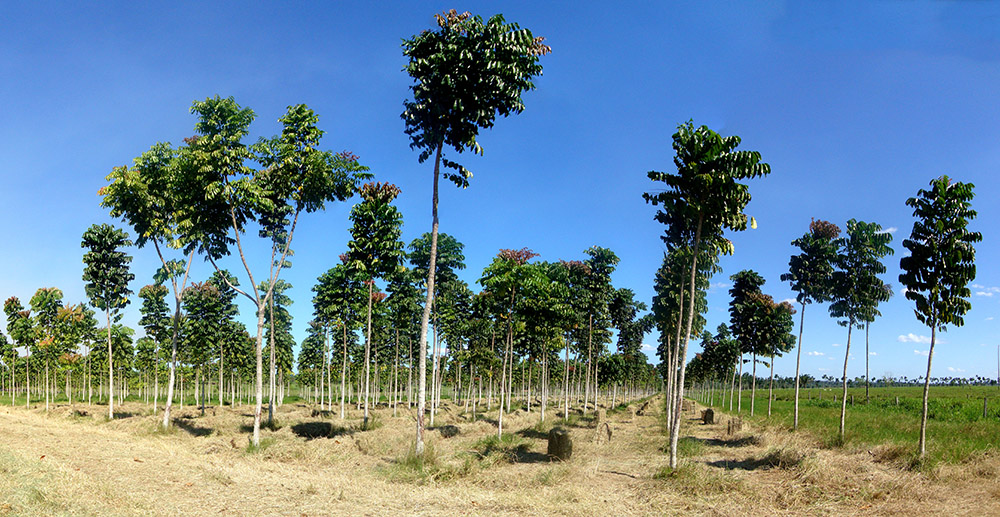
(843, 402)
(675, 430)
(927, 388)
(425, 317)
(798, 361)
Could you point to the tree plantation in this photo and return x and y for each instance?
(414, 370)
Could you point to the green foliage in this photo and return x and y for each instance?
(941, 262)
(106, 267)
(857, 289)
(811, 272)
(465, 73)
(155, 314)
(375, 250)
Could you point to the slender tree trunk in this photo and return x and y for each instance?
(753, 383)
(927, 388)
(368, 341)
(270, 368)
(258, 377)
(343, 373)
(770, 388)
(566, 383)
(798, 362)
(111, 371)
(843, 402)
(425, 317)
(867, 324)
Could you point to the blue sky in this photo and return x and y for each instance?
(854, 105)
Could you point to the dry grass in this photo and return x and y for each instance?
(314, 463)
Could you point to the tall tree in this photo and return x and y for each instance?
(337, 301)
(106, 273)
(858, 264)
(149, 197)
(223, 193)
(465, 73)
(375, 250)
(279, 338)
(46, 304)
(701, 201)
(156, 322)
(810, 274)
(940, 265)
(21, 330)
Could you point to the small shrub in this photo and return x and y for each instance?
(493, 449)
(265, 442)
(372, 424)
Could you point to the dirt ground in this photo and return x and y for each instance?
(314, 463)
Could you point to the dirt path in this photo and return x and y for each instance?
(58, 464)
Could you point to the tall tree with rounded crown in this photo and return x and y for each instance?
(375, 250)
(810, 274)
(106, 273)
(465, 73)
(702, 200)
(858, 264)
(941, 264)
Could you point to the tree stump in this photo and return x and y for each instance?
(560, 444)
(708, 416)
(449, 431)
(599, 417)
(735, 425)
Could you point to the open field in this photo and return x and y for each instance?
(315, 464)
(956, 429)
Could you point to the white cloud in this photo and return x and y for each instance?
(792, 301)
(835, 344)
(823, 369)
(955, 370)
(815, 353)
(921, 352)
(984, 293)
(891, 229)
(913, 338)
(651, 348)
(903, 291)
(872, 353)
(720, 285)
(990, 318)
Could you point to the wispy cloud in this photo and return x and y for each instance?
(823, 369)
(872, 353)
(646, 346)
(955, 370)
(913, 338)
(903, 291)
(835, 344)
(720, 285)
(984, 293)
(792, 301)
(891, 229)
(924, 353)
(982, 290)
(990, 318)
(815, 353)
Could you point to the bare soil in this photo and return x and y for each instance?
(314, 463)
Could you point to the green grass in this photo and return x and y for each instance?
(956, 428)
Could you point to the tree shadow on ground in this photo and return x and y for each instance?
(748, 464)
(447, 431)
(313, 430)
(522, 455)
(531, 432)
(188, 427)
(743, 441)
(124, 414)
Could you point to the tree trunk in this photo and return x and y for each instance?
(927, 387)
(270, 368)
(111, 371)
(843, 402)
(343, 374)
(867, 324)
(798, 362)
(368, 341)
(425, 317)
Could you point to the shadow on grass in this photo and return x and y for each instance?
(188, 427)
(744, 441)
(313, 430)
(525, 456)
(531, 432)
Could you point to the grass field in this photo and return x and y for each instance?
(956, 428)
